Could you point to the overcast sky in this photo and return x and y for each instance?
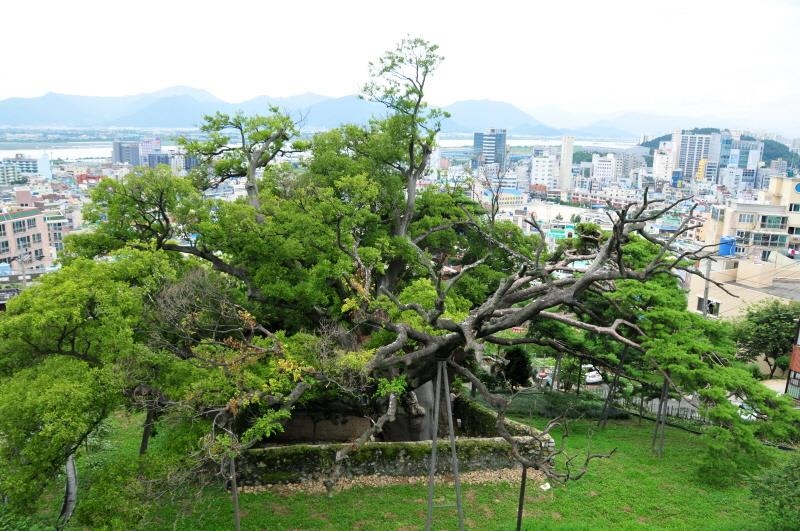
(732, 59)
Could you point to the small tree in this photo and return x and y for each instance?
(767, 331)
(518, 367)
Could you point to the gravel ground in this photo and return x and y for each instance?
(508, 475)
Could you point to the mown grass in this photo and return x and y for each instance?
(631, 490)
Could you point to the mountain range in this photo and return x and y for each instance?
(183, 107)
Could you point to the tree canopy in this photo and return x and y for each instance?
(767, 332)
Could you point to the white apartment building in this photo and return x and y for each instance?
(663, 162)
(544, 170)
(608, 169)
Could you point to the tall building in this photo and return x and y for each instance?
(125, 153)
(719, 158)
(663, 162)
(741, 156)
(154, 159)
(565, 169)
(8, 173)
(148, 146)
(607, 169)
(544, 170)
(24, 165)
(490, 148)
(688, 149)
(779, 165)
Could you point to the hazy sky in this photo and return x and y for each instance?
(724, 58)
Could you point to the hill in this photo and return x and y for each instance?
(183, 107)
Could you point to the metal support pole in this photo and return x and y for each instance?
(705, 290)
(456, 477)
(434, 436)
(521, 503)
(441, 375)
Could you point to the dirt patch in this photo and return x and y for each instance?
(279, 509)
(508, 475)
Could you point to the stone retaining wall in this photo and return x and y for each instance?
(304, 462)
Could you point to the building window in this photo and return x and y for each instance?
(37, 238)
(31, 222)
(793, 230)
(773, 222)
(2, 229)
(23, 242)
(711, 307)
(18, 226)
(743, 236)
(38, 254)
(746, 218)
(769, 240)
(3, 246)
(794, 207)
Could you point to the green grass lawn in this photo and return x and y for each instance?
(631, 490)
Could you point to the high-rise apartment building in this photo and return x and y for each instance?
(544, 170)
(688, 149)
(148, 146)
(719, 158)
(8, 173)
(126, 153)
(154, 159)
(490, 148)
(24, 165)
(606, 169)
(663, 162)
(565, 169)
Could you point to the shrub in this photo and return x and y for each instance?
(755, 371)
(778, 491)
(11, 521)
(518, 369)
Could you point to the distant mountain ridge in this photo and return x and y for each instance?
(183, 107)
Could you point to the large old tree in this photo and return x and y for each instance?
(338, 274)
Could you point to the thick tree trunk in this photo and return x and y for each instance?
(772, 367)
(70, 493)
(658, 433)
(147, 430)
(609, 397)
(237, 516)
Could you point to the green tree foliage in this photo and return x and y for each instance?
(46, 412)
(767, 332)
(239, 146)
(517, 370)
(68, 353)
(777, 491)
(339, 273)
(582, 156)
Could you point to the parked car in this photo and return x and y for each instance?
(593, 376)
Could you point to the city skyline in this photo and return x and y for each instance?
(564, 63)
